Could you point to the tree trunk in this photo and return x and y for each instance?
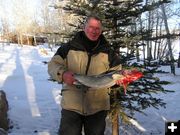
(159, 43)
(155, 46)
(134, 28)
(115, 116)
(21, 40)
(35, 42)
(115, 124)
(178, 61)
(149, 48)
(179, 51)
(141, 27)
(28, 38)
(168, 40)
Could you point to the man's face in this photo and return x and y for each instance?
(93, 29)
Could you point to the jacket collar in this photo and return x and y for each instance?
(80, 42)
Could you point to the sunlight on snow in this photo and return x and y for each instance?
(163, 118)
(31, 92)
(9, 62)
(44, 133)
(135, 123)
(57, 96)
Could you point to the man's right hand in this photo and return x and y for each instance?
(68, 77)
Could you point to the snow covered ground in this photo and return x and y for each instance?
(154, 122)
(34, 101)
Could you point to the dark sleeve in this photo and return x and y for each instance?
(114, 59)
(63, 50)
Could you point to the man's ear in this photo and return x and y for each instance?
(82, 26)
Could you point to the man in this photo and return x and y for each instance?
(88, 53)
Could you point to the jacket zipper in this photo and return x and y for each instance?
(85, 89)
(87, 68)
(88, 63)
(89, 57)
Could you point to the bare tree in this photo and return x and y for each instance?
(169, 43)
(5, 27)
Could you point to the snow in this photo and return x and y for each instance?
(154, 122)
(34, 107)
(34, 102)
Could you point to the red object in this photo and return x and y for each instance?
(129, 76)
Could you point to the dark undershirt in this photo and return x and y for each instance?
(88, 44)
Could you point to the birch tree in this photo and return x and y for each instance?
(169, 43)
(4, 22)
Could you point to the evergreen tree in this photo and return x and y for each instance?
(119, 20)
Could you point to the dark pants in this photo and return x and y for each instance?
(72, 123)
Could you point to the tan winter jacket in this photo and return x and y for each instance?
(74, 57)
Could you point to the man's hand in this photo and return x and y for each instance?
(68, 77)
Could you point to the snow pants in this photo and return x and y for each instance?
(72, 123)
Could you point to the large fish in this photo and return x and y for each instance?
(121, 77)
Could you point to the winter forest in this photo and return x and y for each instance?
(147, 27)
(145, 34)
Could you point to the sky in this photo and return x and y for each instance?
(34, 102)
